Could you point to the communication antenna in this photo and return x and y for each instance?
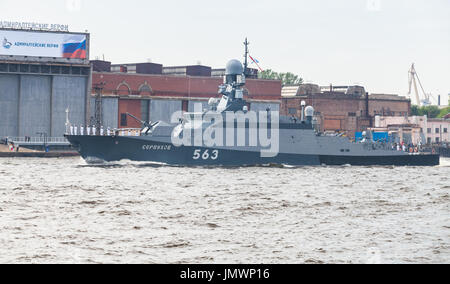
(246, 44)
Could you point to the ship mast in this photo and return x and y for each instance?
(246, 43)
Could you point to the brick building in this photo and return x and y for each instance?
(349, 108)
(153, 92)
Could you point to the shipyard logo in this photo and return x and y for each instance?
(6, 43)
(239, 130)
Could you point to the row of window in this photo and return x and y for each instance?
(438, 130)
(44, 69)
(437, 140)
(390, 113)
(293, 111)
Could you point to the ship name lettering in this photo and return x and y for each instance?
(157, 147)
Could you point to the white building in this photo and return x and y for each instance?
(416, 128)
(437, 130)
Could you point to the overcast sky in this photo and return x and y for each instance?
(367, 42)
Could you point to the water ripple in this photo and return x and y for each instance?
(65, 211)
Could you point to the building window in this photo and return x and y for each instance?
(24, 68)
(13, 68)
(293, 111)
(352, 114)
(429, 130)
(45, 69)
(145, 90)
(35, 68)
(429, 141)
(65, 70)
(55, 69)
(145, 110)
(437, 140)
(437, 130)
(76, 70)
(185, 106)
(85, 71)
(123, 119)
(445, 130)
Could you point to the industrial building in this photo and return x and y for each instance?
(42, 73)
(415, 129)
(153, 92)
(346, 109)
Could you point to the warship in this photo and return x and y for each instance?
(229, 134)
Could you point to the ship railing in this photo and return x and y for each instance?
(38, 140)
(126, 132)
(78, 131)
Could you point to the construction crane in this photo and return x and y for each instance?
(421, 100)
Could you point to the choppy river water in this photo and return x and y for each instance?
(65, 211)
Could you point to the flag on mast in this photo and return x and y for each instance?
(256, 62)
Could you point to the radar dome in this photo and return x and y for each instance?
(234, 67)
(309, 111)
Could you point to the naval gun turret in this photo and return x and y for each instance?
(232, 90)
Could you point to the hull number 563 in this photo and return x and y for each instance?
(206, 155)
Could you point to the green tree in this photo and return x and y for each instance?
(444, 112)
(415, 110)
(268, 75)
(290, 79)
(429, 111)
(432, 111)
(286, 78)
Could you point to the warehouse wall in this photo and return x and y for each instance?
(162, 110)
(145, 110)
(110, 109)
(68, 92)
(9, 102)
(132, 107)
(34, 99)
(204, 104)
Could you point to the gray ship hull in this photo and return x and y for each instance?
(241, 138)
(110, 149)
